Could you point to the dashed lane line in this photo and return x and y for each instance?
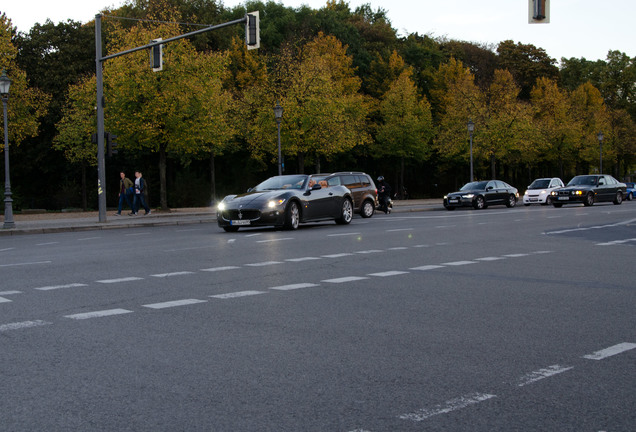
(119, 280)
(175, 303)
(5, 300)
(4, 293)
(264, 264)
(389, 273)
(216, 269)
(56, 287)
(23, 325)
(294, 286)
(309, 258)
(345, 279)
(427, 267)
(165, 275)
(338, 255)
(6, 249)
(343, 234)
(542, 374)
(492, 258)
(459, 263)
(611, 351)
(370, 251)
(237, 294)
(26, 263)
(274, 240)
(98, 314)
(447, 407)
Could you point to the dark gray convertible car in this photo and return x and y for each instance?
(286, 201)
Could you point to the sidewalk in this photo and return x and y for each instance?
(52, 222)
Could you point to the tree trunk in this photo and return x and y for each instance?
(163, 196)
(493, 172)
(301, 163)
(401, 185)
(84, 189)
(212, 179)
(317, 163)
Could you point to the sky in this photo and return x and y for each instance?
(577, 28)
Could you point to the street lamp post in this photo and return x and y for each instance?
(5, 84)
(600, 143)
(471, 127)
(278, 115)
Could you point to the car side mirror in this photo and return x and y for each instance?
(250, 189)
(489, 188)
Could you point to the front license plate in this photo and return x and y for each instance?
(563, 198)
(453, 201)
(239, 222)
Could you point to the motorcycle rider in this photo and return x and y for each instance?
(384, 195)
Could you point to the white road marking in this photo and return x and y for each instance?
(5, 300)
(7, 249)
(253, 235)
(458, 263)
(339, 255)
(231, 240)
(54, 287)
(399, 229)
(371, 251)
(25, 263)
(345, 279)
(274, 240)
(126, 279)
(519, 255)
(542, 252)
(302, 259)
(46, 244)
(23, 325)
(397, 248)
(98, 314)
(427, 267)
(542, 374)
(592, 227)
(421, 246)
(263, 264)
(294, 286)
(88, 238)
(616, 242)
(611, 351)
(442, 244)
(174, 303)
(237, 294)
(343, 234)
(4, 293)
(489, 259)
(215, 269)
(447, 407)
(163, 275)
(389, 273)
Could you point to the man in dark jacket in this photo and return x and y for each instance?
(384, 195)
(140, 188)
(125, 192)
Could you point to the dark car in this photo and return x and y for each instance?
(588, 189)
(285, 201)
(481, 194)
(630, 191)
(363, 190)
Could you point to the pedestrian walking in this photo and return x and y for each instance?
(125, 192)
(140, 188)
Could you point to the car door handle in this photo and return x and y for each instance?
(330, 193)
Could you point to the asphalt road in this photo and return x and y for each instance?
(501, 319)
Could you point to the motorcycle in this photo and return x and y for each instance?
(385, 204)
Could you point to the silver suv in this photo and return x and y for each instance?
(363, 190)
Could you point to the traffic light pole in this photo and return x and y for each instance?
(99, 60)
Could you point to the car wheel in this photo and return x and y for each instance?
(292, 216)
(548, 200)
(479, 203)
(589, 200)
(368, 209)
(557, 205)
(512, 201)
(231, 228)
(630, 196)
(346, 212)
(619, 198)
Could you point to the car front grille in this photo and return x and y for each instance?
(564, 193)
(242, 214)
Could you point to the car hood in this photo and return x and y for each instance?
(251, 199)
(577, 187)
(472, 191)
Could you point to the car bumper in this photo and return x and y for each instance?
(453, 202)
(250, 218)
(570, 199)
(534, 199)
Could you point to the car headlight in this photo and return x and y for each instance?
(578, 192)
(526, 192)
(543, 192)
(275, 203)
(468, 196)
(221, 206)
(554, 193)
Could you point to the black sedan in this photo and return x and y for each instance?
(588, 189)
(285, 201)
(481, 194)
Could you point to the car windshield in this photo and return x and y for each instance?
(282, 182)
(583, 180)
(539, 184)
(474, 185)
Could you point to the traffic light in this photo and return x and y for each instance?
(111, 143)
(156, 56)
(252, 31)
(538, 11)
